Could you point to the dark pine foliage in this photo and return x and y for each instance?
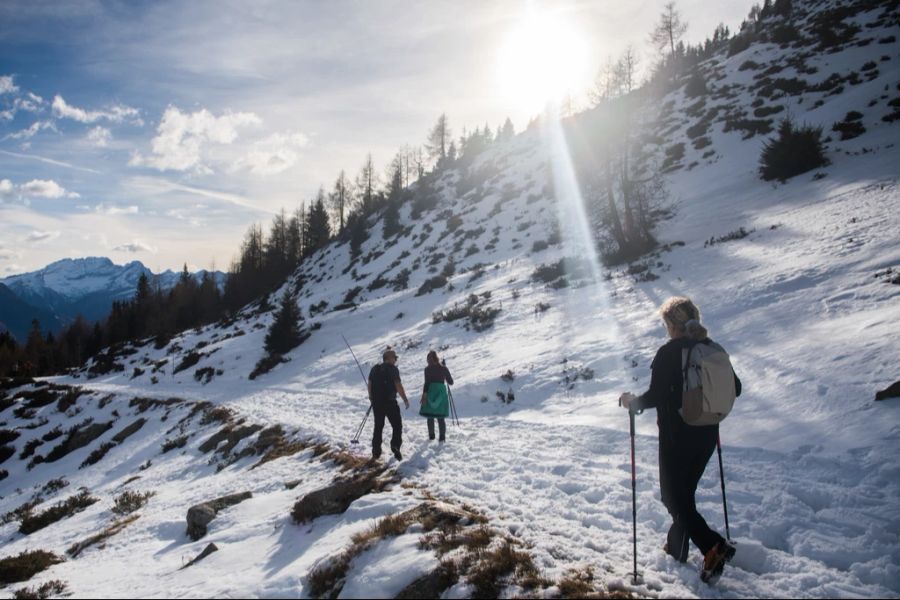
(284, 334)
(793, 151)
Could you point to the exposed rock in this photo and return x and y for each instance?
(892, 391)
(435, 514)
(78, 439)
(129, 431)
(235, 437)
(338, 496)
(267, 438)
(210, 548)
(200, 515)
(431, 585)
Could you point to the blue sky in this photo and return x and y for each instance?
(159, 131)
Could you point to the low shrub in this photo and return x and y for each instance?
(794, 151)
(59, 511)
(24, 566)
(128, 501)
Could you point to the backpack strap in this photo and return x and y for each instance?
(687, 364)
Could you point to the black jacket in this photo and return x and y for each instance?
(437, 374)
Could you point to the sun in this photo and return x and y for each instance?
(541, 60)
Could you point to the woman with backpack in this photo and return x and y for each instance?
(684, 450)
(435, 400)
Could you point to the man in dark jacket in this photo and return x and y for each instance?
(384, 385)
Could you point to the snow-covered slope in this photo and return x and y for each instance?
(805, 303)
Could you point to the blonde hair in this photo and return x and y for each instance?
(684, 317)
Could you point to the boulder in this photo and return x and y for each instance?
(129, 431)
(892, 391)
(210, 548)
(200, 515)
(338, 496)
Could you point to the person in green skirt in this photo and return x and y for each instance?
(435, 398)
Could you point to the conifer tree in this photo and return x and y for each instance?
(508, 132)
(317, 225)
(394, 198)
(284, 333)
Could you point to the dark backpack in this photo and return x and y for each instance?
(382, 383)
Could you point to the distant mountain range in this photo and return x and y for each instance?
(56, 294)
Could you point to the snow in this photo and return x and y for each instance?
(811, 461)
(383, 571)
(77, 278)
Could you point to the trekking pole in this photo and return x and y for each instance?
(355, 439)
(634, 578)
(359, 430)
(454, 414)
(722, 479)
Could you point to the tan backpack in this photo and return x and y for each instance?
(709, 390)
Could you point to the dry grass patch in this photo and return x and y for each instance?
(272, 444)
(43, 591)
(327, 580)
(107, 533)
(494, 569)
(346, 459)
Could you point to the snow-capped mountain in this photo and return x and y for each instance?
(797, 280)
(86, 286)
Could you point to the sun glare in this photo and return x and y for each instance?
(541, 60)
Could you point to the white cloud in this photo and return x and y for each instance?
(6, 188)
(99, 136)
(181, 138)
(31, 103)
(30, 132)
(116, 210)
(136, 246)
(42, 236)
(274, 154)
(46, 188)
(28, 102)
(48, 161)
(116, 113)
(7, 86)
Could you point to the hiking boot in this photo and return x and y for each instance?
(441, 440)
(714, 561)
(397, 454)
(431, 437)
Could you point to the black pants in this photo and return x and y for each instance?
(391, 410)
(442, 427)
(684, 452)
